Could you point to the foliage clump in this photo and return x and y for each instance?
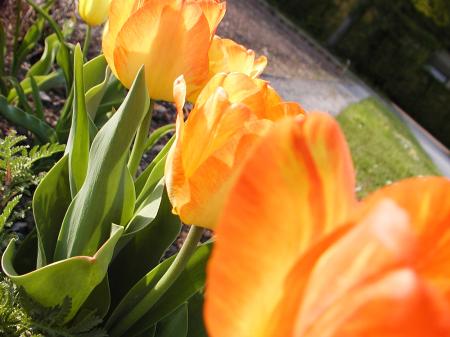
(21, 170)
(21, 316)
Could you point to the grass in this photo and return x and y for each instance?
(383, 149)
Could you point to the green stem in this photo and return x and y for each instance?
(140, 141)
(87, 41)
(166, 281)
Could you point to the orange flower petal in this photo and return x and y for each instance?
(119, 12)
(427, 202)
(214, 11)
(296, 186)
(171, 40)
(227, 56)
(256, 94)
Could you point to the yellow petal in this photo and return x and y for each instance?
(296, 186)
(94, 12)
(227, 56)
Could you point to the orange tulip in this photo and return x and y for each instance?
(297, 256)
(230, 115)
(225, 55)
(169, 37)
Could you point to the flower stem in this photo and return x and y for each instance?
(87, 41)
(166, 281)
(140, 141)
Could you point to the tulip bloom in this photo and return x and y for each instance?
(231, 114)
(225, 55)
(170, 37)
(93, 12)
(297, 256)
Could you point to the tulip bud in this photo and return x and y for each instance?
(94, 12)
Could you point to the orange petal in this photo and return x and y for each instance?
(171, 40)
(119, 12)
(256, 94)
(359, 284)
(214, 11)
(295, 187)
(427, 202)
(227, 56)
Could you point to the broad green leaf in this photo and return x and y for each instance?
(196, 323)
(78, 143)
(175, 324)
(74, 278)
(44, 65)
(141, 181)
(43, 131)
(50, 203)
(112, 99)
(95, 95)
(107, 195)
(99, 300)
(46, 82)
(26, 254)
(146, 238)
(94, 72)
(149, 333)
(191, 280)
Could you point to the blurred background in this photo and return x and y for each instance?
(400, 47)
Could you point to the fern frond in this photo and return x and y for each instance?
(7, 211)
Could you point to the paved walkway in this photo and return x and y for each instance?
(303, 71)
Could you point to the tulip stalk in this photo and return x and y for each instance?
(87, 41)
(166, 281)
(140, 142)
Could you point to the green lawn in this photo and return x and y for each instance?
(383, 149)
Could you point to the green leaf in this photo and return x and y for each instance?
(112, 99)
(196, 323)
(155, 175)
(7, 210)
(46, 82)
(44, 65)
(191, 280)
(74, 278)
(23, 100)
(95, 95)
(107, 195)
(50, 203)
(141, 181)
(158, 134)
(94, 72)
(99, 300)
(28, 44)
(2, 49)
(38, 107)
(78, 143)
(146, 238)
(63, 56)
(20, 118)
(176, 324)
